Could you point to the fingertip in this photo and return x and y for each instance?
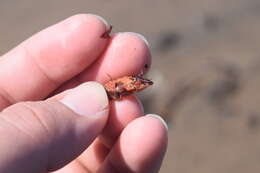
(135, 43)
(158, 117)
(140, 148)
(149, 126)
(79, 19)
(139, 36)
(88, 99)
(146, 136)
(101, 19)
(155, 124)
(138, 49)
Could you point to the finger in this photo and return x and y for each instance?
(40, 64)
(121, 113)
(140, 148)
(74, 166)
(50, 134)
(127, 54)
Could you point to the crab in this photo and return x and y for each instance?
(126, 85)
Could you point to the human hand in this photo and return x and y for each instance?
(47, 126)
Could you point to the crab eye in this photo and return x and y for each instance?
(147, 81)
(119, 84)
(134, 79)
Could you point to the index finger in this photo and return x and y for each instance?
(40, 64)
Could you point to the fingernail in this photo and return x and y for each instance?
(88, 99)
(140, 36)
(101, 19)
(159, 118)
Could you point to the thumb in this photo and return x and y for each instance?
(44, 136)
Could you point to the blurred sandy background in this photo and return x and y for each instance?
(206, 67)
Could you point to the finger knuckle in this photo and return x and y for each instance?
(32, 118)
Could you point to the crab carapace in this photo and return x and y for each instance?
(126, 85)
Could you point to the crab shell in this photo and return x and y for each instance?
(126, 85)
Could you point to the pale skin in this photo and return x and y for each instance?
(49, 136)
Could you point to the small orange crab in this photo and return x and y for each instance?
(126, 85)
